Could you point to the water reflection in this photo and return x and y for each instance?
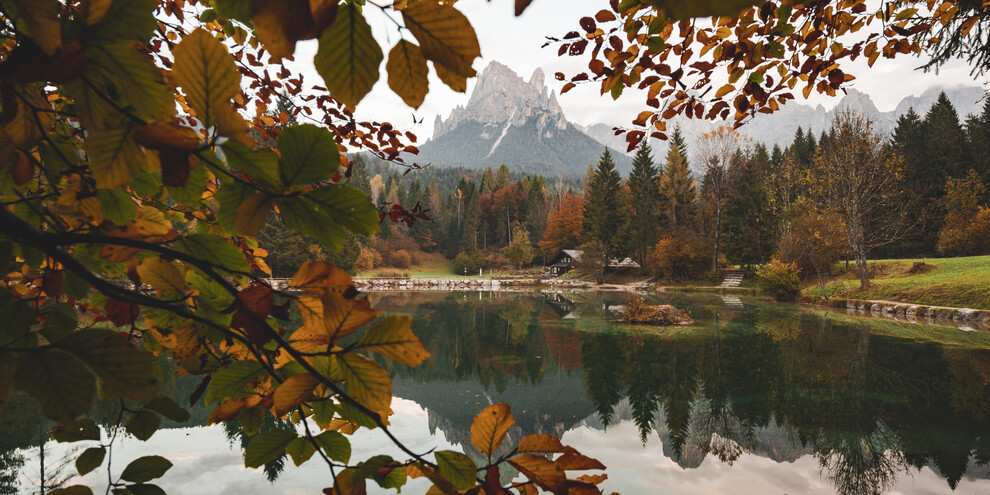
(857, 402)
(867, 398)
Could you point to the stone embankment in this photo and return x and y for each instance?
(963, 317)
(469, 284)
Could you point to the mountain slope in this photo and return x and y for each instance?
(513, 122)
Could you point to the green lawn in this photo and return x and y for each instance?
(957, 282)
(428, 269)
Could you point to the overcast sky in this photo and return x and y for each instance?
(516, 41)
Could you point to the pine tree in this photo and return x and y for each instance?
(502, 177)
(978, 129)
(488, 182)
(604, 213)
(644, 186)
(677, 190)
(589, 174)
(748, 222)
(677, 140)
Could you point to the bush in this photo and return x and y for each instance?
(971, 238)
(680, 256)
(779, 280)
(366, 260)
(470, 263)
(401, 259)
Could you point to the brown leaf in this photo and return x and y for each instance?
(453, 81)
(279, 24)
(138, 229)
(163, 136)
(176, 166)
(541, 442)
(317, 277)
(252, 214)
(445, 35)
(23, 170)
(542, 471)
(407, 73)
(576, 461)
(121, 313)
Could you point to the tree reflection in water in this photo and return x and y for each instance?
(759, 379)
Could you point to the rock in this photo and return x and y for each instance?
(662, 315)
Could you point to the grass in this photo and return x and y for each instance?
(956, 282)
(427, 269)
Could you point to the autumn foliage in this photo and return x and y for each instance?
(565, 226)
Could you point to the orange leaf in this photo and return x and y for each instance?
(576, 461)
(542, 471)
(317, 277)
(293, 392)
(490, 426)
(541, 442)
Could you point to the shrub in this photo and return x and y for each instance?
(681, 255)
(366, 260)
(470, 263)
(966, 237)
(401, 259)
(779, 280)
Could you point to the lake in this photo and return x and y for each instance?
(755, 398)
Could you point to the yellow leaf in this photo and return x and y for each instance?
(393, 338)
(95, 10)
(252, 214)
(138, 229)
(541, 471)
(453, 81)
(445, 35)
(115, 158)
(206, 73)
(490, 426)
(162, 275)
(723, 32)
(367, 382)
(407, 73)
(348, 57)
(724, 90)
(317, 277)
(540, 442)
(41, 18)
(293, 392)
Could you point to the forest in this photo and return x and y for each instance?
(750, 204)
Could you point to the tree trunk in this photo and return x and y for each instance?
(864, 272)
(718, 231)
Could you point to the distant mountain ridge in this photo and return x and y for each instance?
(779, 127)
(510, 121)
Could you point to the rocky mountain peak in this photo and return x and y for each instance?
(502, 97)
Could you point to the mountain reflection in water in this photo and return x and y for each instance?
(861, 403)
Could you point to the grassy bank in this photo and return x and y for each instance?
(956, 282)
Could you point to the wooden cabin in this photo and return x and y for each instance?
(564, 261)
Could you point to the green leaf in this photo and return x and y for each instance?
(18, 316)
(124, 371)
(230, 197)
(42, 22)
(90, 459)
(115, 158)
(309, 154)
(266, 446)
(367, 382)
(261, 165)
(58, 381)
(168, 408)
(72, 490)
(60, 322)
(251, 420)
(348, 206)
(207, 74)
(127, 20)
(145, 469)
(143, 424)
(84, 429)
(117, 204)
(300, 450)
(299, 213)
(145, 489)
(394, 479)
(457, 468)
(239, 10)
(215, 250)
(74, 286)
(335, 446)
(192, 192)
(231, 381)
(322, 412)
(136, 77)
(348, 57)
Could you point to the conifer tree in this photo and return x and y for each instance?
(502, 177)
(488, 182)
(978, 129)
(604, 212)
(678, 140)
(644, 186)
(677, 190)
(748, 222)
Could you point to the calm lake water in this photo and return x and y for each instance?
(756, 398)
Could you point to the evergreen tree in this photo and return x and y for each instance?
(488, 182)
(677, 140)
(748, 222)
(978, 129)
(908, 139)
(677, 190)
(644, 186)
(604, 213)
(502, 178)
